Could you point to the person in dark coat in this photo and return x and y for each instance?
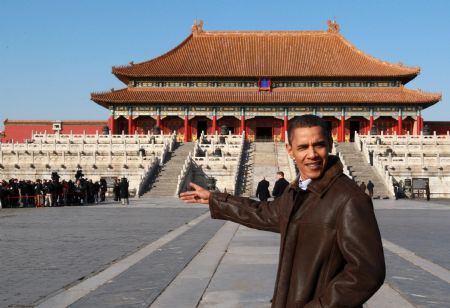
(123, 189)
(280, 185)
(331, 254)
(427, 191)
(370, 187)
(116, 190)
(363, 186)
(103, 189)
(262, 191)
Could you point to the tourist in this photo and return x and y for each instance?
(280, 185)
(363, 186)
(370, 187)
(331, 253)
(427, 191)
(396, 191)
(116, 190)
(262, 191)
(103, 189)
(123, 190)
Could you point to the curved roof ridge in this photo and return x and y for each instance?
(262, 32)
(267, 53)
(437, 95)
(412, 69)
(164, 55)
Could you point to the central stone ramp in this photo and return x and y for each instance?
(265, 164)
(361, 170)
(165, 183)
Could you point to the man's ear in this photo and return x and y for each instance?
(330, 144)
(289, 150)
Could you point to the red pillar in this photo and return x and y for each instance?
(158, 121)
(399, 125)
(186, 128)
(370, 123)
(242, 123)
(285, 128)
(214, 125)
(111, 124)
(420, 126)
(342, 130)
(130, 125)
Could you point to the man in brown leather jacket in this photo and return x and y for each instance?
(330, 253)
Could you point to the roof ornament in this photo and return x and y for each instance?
(333, 26)
(197, 27)
(112, 89)
(131, 63)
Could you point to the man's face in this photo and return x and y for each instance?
(309, 148)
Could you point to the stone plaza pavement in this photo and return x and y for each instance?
(163, 253)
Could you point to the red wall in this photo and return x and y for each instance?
(440, 127)
(19, 131)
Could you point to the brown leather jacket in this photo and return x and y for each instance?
(330, 253)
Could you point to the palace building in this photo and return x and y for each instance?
(255, 81)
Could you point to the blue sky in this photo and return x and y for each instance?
(54, 53)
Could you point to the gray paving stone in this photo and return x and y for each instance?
(142, 283)
(416, 285)
(424, 231)
(46, 249)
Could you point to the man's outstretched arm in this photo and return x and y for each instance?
(245, 211)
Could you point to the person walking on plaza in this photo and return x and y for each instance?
(123, 190)
(427, 191)
(340, 265)
(370, 188)
(396, 191)
(363, 186)
(116, 190)
(262, 191)
(103, 189)
(280, 185)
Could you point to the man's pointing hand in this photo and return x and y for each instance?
(198, 195)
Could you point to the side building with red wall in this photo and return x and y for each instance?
(440, 127)
(20, 130)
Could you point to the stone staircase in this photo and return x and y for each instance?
(166, 181)
(361, 170)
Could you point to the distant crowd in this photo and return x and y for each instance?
(42, 193)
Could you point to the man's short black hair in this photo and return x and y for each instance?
(308, 120)
(280, 173)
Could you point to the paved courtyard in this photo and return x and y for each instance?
(163, 253)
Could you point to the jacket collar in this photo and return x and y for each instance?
(320, 186)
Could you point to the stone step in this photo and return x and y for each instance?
(360, 170)
(165, 183)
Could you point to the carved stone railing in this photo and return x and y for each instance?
(98, 138)
(239, 172)
(202, 155)
(406, 156)
(150, 173)
(185, 175)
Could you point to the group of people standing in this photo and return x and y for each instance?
(121, 190)
(262, 191)
(47, 193)
(370, 186)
